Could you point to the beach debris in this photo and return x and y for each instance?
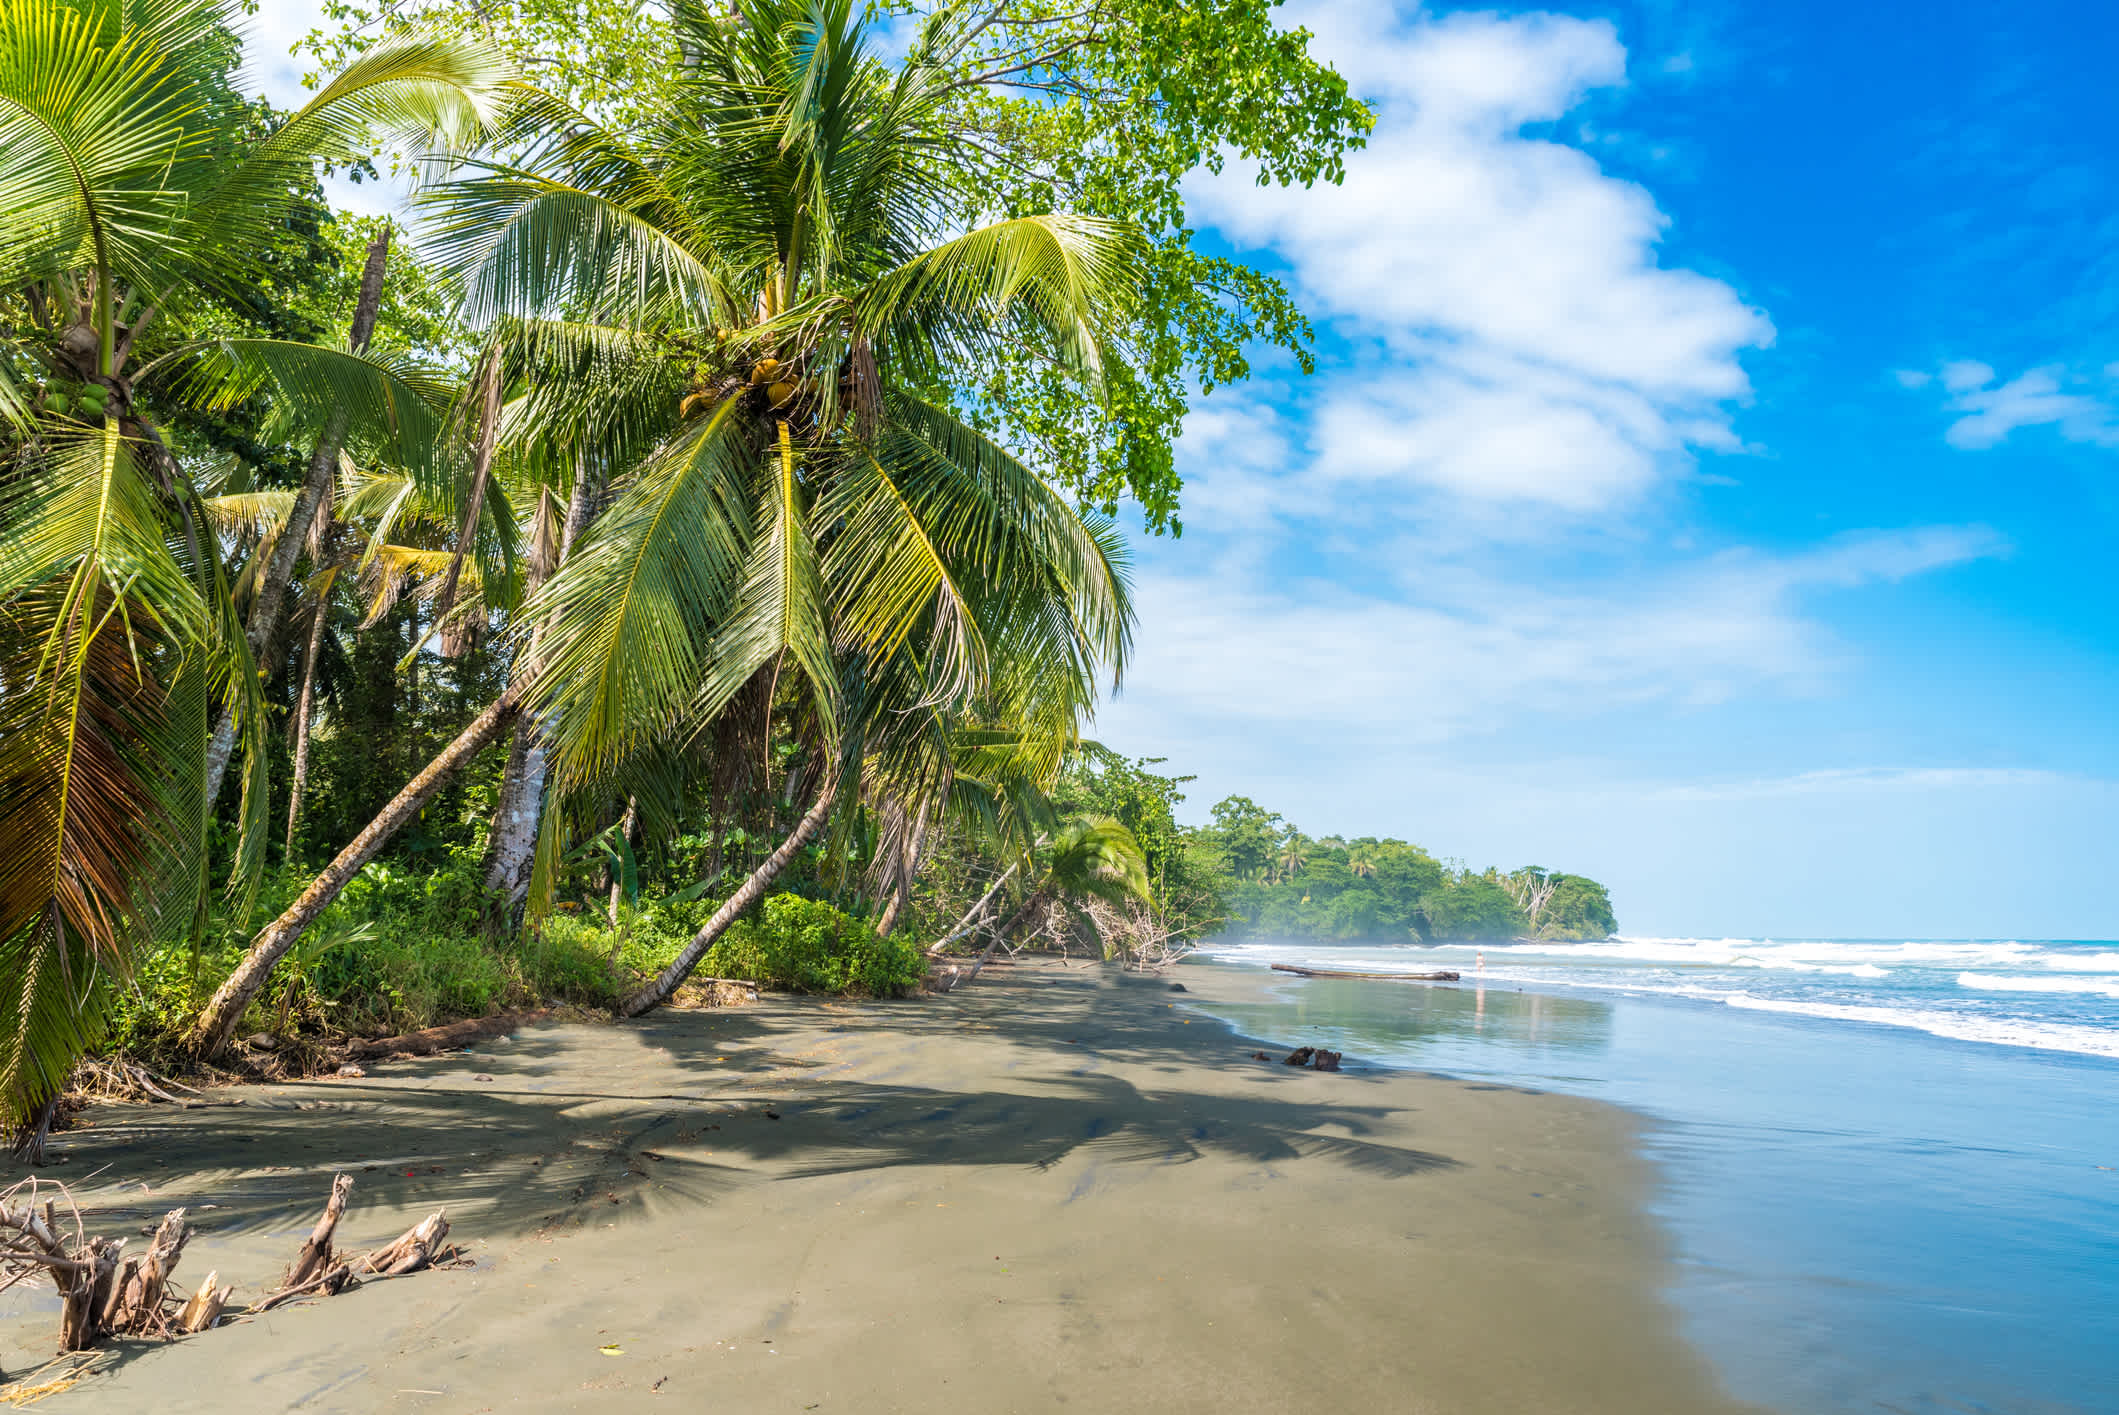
(1300, 1056)
(1179, 987)
(1323, 1060)
(138, 1286)
(204, 1307)
(1260, 1056)
(417, 1247)
(450, 1036)
(315, 1256)
(352, 1070)
(103, 1292)
(1315, 1058)
(1302, 972)
(262, 1041)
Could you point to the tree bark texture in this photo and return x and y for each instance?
(748, 893)
(302, 710)
(511, 850)
(217, 1023)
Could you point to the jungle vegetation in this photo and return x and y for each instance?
(687, 533)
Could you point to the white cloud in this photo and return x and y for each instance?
(2039, 397)
(268, 35)
(1236, 653)
(1531, 348)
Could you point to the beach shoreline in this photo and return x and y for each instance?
(1057, 1190)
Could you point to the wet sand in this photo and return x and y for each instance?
(1054, 1192)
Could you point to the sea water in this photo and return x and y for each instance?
(1891, 1168)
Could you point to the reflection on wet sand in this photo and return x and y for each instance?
(1395, 1018)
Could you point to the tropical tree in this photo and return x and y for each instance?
(121, 207)
(1088, 857)
(768, 299)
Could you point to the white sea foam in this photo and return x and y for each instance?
(1989, 982)
(1958, 1026)
(2083, 962)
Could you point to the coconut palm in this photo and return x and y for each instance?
(1089, 857)
(770, 291)
(120, 209)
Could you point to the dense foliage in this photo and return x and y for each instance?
(710, 518)
(1280, 883)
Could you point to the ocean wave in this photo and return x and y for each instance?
(1957, 1026)
(1988, 982)
(2083, 962)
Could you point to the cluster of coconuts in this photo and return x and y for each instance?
(778, 380)
(88, 400)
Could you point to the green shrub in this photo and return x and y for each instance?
(808, 945)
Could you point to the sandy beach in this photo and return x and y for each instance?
(1054, 1192)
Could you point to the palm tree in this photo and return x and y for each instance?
(1294, 856)
(120, 210)
(769, 292)
(1092, 857)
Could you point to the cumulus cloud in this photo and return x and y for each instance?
(1529, 346)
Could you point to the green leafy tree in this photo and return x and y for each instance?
(119, 201)
(767, 291)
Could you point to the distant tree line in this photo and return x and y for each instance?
(1252, 874)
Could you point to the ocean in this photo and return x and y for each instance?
(1890, 1168)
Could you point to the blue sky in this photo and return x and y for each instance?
(1706, 481)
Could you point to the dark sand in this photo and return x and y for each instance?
(1050, 1193)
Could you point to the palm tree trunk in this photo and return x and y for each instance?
(302, 709)
(1022, 911)
(901, 892)
(217, 1023)
(511, 848)
(625, 833)
(747, 894)
(964, 925)
(315, 492)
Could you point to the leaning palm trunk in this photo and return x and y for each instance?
(970, 920)
(1001, 930)
(748, 893)
(217, 1023)
(314, 497)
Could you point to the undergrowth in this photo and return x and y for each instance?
(403, 949)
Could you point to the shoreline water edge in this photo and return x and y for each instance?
(1060, 1190)
(1917, 1211)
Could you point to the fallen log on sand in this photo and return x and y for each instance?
(447, 1037)
(1386, 977)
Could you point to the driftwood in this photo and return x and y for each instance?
(315, 1256)
(414, 1249)
(134, 1307)
(103, 1293)
(447, 1037)
(1385, 977)
(204, 1307)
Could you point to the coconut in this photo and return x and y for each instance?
(765, 370)
(779, 393)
